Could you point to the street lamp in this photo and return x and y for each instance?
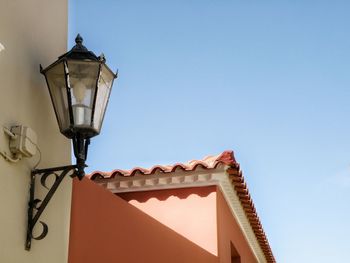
(80, 84)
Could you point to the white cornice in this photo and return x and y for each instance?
(185, 179)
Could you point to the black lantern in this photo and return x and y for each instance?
(80, 84)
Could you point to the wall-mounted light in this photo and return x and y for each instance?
(79, 83)
(1, 47)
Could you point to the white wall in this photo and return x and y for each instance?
(32, 32)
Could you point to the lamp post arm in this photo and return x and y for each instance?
(80, 146)
(59, 173)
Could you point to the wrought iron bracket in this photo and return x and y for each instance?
(36, 206)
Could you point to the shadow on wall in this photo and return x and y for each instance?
(105, 228)
(163, 195)
(190, 212)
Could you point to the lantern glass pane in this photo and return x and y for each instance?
(82, 80)
(105, 83)
(56, 81)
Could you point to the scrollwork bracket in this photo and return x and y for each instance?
(36, 206)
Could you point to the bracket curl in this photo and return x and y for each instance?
(45, 176)
(40, 205)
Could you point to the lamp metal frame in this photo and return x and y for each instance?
(80, 139)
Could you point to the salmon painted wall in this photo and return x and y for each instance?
(191, 212)
(230, 232)
(105, 228)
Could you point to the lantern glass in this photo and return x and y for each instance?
(105, 83)
(82, 78)
(80, 84)
(56, 81)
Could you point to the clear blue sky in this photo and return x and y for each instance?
(268, 79)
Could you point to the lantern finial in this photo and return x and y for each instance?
(79, 44)
(79, 40)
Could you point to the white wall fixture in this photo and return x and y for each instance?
(1, 47)
(23, 143)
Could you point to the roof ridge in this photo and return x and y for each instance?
(208, 162)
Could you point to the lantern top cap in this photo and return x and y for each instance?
(79, 51)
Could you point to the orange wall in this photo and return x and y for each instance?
(229, 231)
(105, 228)
(191, 212)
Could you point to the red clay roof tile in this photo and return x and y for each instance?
(209, 162)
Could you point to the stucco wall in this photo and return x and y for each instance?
(190, 212)
(32, 32)
(105, 228)
(230, 232)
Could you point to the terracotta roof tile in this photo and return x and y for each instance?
(210, 162)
